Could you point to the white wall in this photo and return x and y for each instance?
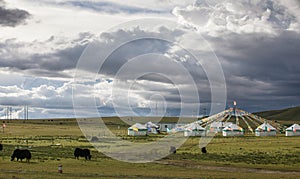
(194, 133)
(232, 133)
(292, 133)
(136, 133)
(265, 133)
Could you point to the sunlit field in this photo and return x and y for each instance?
(52, 142)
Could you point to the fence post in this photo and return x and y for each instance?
(60, 168)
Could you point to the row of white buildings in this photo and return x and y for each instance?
(195, 129)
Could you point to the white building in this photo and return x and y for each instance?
(293, 130)
(218, 126)
(194, 129)
(265, 130)
(151, 127)
(137, 130)
(233, 130)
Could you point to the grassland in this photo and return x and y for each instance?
(52, 142)
(283, 115)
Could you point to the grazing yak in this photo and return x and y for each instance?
(203, 150)
(172, 150)
(1, 147)
(21, 154)
(82, 153)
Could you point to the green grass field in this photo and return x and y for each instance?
(53, 142)
(289, 114)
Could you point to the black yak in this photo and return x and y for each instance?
(82, 153)
(1, 147)
(21, 154)
(172, 150)
(203, 150)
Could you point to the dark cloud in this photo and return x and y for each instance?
(14, 55)
(258, 45)
(12, 17)
(65, 58)
(130, 50)
(60, 60)
(261, 70)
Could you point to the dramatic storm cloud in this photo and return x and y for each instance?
(256, 42)
(12, 17)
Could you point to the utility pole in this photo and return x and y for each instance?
(25, 112)
(6, 113)
(10, 113)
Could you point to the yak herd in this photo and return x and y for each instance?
(26, 154)
(21, 154)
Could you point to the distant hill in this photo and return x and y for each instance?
(289, 114)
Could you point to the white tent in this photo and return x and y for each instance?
(137, 130)
(233, 130)
(293, 130)
(265, 130)
(151, 127)
(218, 126)
(151, 124)
(194, 129)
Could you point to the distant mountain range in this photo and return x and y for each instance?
(289, 114)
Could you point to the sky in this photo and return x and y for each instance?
(213, 53)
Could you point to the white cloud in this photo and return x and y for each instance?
(69, 18)
(50, 19)
(238, 16)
